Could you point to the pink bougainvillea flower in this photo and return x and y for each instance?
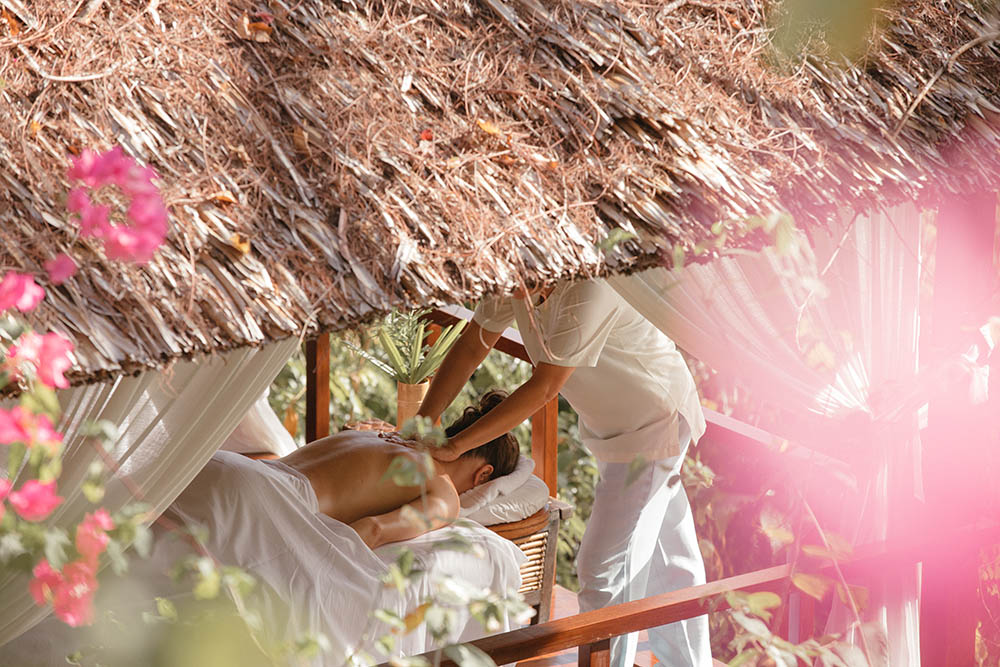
(49, 354)
(46, 582)
(73, 601)
(35, 500)
(60, 268)
(45, 435)
(23, 350)
(12, 426)
(146, 228)
(19, 290)
(54, 359)
(92, 534)
(21, 425)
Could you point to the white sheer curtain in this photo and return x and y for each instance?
(170, 424)
(829, 330)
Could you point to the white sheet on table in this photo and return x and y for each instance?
(320, 577)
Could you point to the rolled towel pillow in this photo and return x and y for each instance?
(509, 498)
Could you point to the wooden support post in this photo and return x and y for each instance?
(955, 450)
(318, 387)
(597, 654)
(545, 444)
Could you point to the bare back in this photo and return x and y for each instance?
(346, 471)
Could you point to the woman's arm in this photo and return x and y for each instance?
(458, 366)
(437, 508)
(544, 384)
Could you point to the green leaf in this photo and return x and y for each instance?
(56, 542)
(416, 661)
(390, 618)
(754, 626)
(416, 346)
(405, 561)
(15, 457)
(209, 581)
(395, 358)
(142, 542)
(404, 471)
(468, 655)
(395, 577)
(10, 547)
(103, 429)
(784, 235)
(238, 579)
(386, 644)
(116, 554)
(92, 491)
(635, 468)
(440, 621)
(775, 527)
(813, 585)
(166, 609)
(859, 593)
(309, 648)
(41, 400)
(615, 237)
(760, 603)
(743, 658)
(51, 469)
(460, 544)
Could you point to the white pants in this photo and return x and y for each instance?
(640, 541)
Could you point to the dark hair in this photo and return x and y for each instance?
(501, 452)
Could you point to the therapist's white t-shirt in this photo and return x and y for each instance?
(630, 382)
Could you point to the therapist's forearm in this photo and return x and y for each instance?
(522, 404)
(458, 366)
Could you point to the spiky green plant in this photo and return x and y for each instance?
(401, 336)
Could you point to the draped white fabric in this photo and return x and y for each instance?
(830, 330)
(169, 423)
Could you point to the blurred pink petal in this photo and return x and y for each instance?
(54, 360)
(74, 597)
(35, 500)
(92, 536)
(13, 427)
(46, 582)
(20, 291)
(60, 268)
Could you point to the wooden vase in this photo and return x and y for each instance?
(408, 399)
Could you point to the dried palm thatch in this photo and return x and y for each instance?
(324, 161)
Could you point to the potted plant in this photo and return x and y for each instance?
(407, 359)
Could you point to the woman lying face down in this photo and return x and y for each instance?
(347, 473)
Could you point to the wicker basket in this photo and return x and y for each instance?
(536, 536)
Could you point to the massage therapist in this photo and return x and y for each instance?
(635, 398)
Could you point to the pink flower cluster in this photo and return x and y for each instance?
(34, 501)
(18, 290)
(71, 591)
(147, 214)
(49, 354)
(21, 425)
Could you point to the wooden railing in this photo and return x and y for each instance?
(592, 631)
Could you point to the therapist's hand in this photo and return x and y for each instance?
(446, 452)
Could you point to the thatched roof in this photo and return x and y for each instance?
(325, 162)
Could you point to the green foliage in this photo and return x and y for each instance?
(405, 358)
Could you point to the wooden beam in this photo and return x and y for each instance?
(318, 387)
(545, 444)
(510, 341)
